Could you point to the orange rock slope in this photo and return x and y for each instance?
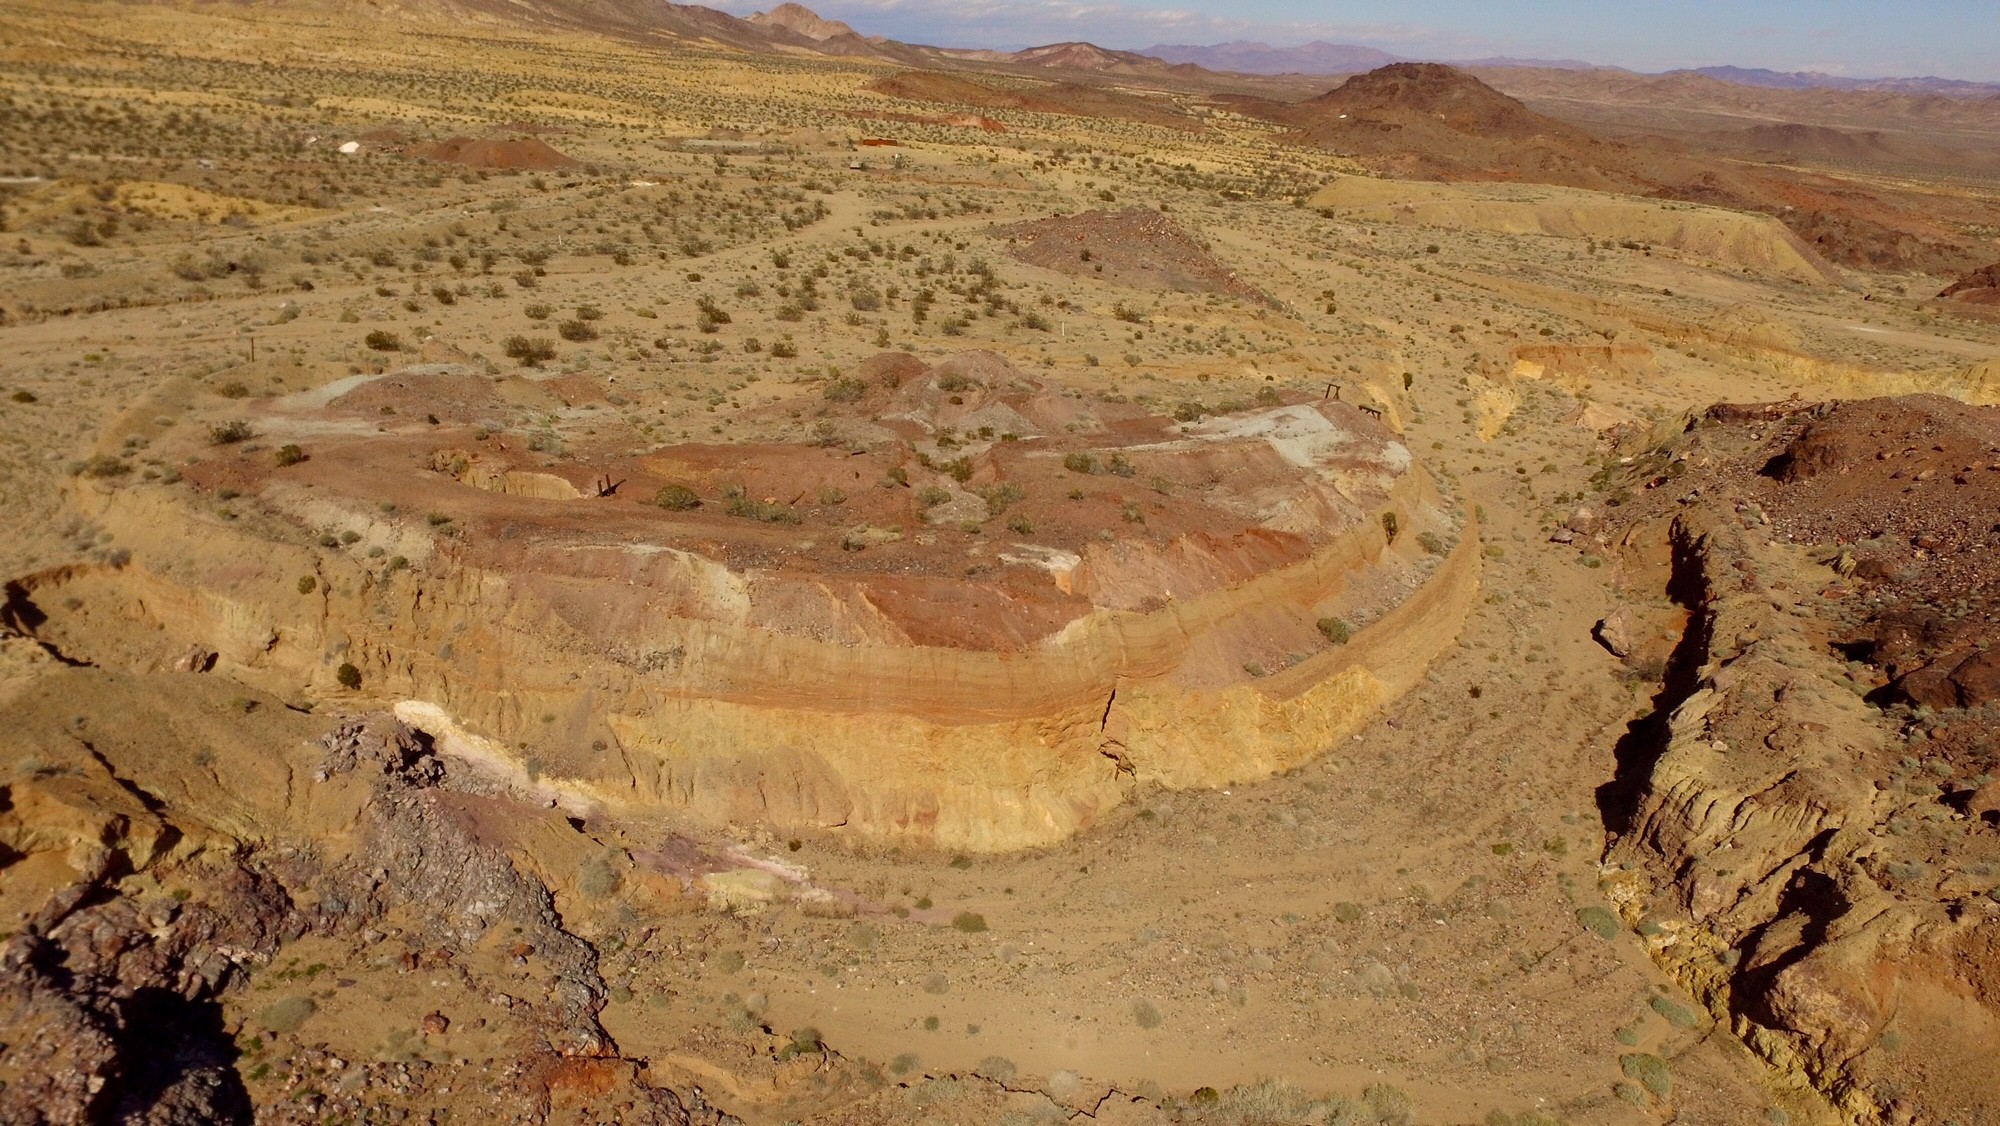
(971, 611)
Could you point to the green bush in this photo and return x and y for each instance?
(230, 433)
(103, 466)
(529, 351)
(290, 454)
(1336, 631)
(971, 922)
(1598, 921)
(348, 676)
(1649, 1071)
(288, 1014)
(381, 340)
(1001, 497)
(759, 510)
(1675, 1013)
(1079, 462)
(676, 498)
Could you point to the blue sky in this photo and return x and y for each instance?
(1858, 38)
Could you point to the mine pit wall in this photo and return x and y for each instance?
(920, 746)
(1741, 869)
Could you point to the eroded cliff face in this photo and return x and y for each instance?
(159, 875)
(977, 622)
(1805, 843)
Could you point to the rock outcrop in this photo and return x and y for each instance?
(1797, 835)
(974, 615)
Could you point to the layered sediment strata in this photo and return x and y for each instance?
(1808, 822)
(973, 611)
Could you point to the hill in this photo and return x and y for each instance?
(1431, 121)
(1245, 57)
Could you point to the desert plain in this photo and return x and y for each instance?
(581, 563)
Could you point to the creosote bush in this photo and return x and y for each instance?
(529, 351)
(348, 676)
(676, 498)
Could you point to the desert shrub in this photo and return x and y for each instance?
(784, 350)
(1391, 526)
(1390, 1105)
(930, 496)
(676, 498)
(103, 466)
(382, 340)
(577, 332)
(846, 389)
(1021, 526)
(1649, 1071)
(1118, 466)
(1336, 631)
(1267, 396)
(1002, 496)
(347, 676)
(230, 433)
(1598, 921)
(971, 922)
(589, 313)
(764, 511)
(307, 584)
(597, 878)
(1431, 542)
(290, 454)
(1189, 412)
(1145, 1014)
(1079, 462)
(234, 389)
(23, 396)
(537, 312)
(1675, 1013)
(288, 1014)
(529, 351)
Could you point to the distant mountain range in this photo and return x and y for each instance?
(1813, 80)
(1322, 58)
(1245, 57)
(795, 29)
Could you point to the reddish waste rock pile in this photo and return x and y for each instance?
(1134, 247)
(973, 610)
(1978, 290)
(1810, 822)
(528, 154)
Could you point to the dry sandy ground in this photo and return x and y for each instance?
(1403, 911)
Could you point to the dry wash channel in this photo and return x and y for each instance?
(975, 612)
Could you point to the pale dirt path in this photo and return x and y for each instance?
(1401, 911)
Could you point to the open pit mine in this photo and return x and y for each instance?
(974, 613)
